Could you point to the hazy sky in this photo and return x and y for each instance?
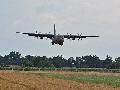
(90, 17)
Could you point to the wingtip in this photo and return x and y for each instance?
(17, 32)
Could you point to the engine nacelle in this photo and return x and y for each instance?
(73, 38)
(41, 37)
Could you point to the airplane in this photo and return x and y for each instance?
(57, 38)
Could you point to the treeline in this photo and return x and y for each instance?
(89, 61)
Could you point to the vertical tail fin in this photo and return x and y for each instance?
(54, 30)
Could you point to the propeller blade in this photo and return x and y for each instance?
(81, 34)
(35, 31)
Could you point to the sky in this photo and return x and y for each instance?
(90, 17)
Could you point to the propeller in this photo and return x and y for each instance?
(79, 36)
(46, 38)
(79, 39)
(36, 32)
(70, 34)
(37, 37)
(70, 38)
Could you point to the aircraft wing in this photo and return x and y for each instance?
(38, 35)
(77, 36)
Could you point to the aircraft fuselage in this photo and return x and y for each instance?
(58, 39)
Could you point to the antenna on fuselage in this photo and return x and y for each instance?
(54, 30)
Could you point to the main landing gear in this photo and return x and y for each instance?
(57, 43)
(52, 43)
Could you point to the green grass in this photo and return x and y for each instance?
(113, 81)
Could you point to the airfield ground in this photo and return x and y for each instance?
(15, 80)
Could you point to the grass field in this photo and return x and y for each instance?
(109, 79)
(11, 80)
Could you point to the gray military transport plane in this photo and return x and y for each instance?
(57, 39)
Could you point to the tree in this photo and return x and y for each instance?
(58, 61)
(91, 61)
(71, 62)
(14, 58)
(2, 63)
(25, 62)
(115, 64)
(30, 60)
(45, 62)
(79, 62)
(117, 60)
(107, 62)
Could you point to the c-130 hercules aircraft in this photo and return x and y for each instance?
(57, 39)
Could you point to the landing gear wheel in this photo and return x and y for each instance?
(52, 43)
(61, 44)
